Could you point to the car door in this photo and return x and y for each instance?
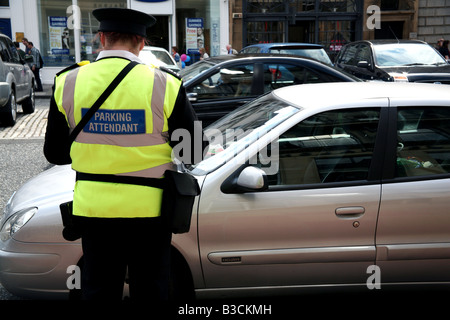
(413, 238)
(316, 223)
(224, 89)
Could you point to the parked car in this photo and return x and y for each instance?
(218, 85)
(394, 60)
(16, 83)
(305, 188)
(159, 57)
(308, 50)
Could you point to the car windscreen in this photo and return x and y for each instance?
(236, 131)
(406, 54)
(159, 58)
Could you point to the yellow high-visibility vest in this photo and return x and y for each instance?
(127, 136)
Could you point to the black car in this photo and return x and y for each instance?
(394, 60)
(218, 85)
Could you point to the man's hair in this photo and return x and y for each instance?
(114, 37)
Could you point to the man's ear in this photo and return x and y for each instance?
(102, 39)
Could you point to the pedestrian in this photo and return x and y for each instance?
(230, 49)
(176, 55)
(36, 64)
(25, 43)
(128, 138)
(444, 50)
(22, 53)
(203, 54)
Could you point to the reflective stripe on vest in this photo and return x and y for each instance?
(146, 153)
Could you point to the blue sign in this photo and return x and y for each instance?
(58, 22)
(194, 22)
(116, 122)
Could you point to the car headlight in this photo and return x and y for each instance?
(15, 222)
(7, 209)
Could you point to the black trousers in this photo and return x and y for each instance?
(113, 246)
(37, 77)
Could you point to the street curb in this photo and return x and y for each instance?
(46, 93)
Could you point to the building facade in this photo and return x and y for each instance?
(333, 23)
(65, 31)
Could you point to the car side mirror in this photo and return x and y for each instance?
(247, 179)
(364, 65)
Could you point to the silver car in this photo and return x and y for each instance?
(300, 190)
(16, 83)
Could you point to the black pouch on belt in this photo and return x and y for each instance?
(71, 223)
(178, 199)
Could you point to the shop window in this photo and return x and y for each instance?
(265, 32)
(57, 44)
(338, 5)
(389, 5)
(4, 3)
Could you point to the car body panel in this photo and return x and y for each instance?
(287, 238)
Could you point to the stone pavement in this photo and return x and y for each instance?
(30, 126)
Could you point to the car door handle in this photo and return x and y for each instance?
(192, 96)
(350, 212)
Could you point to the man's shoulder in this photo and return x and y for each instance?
(171, 72)
(72, 67)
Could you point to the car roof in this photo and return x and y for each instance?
(228, 57)
(285, 44)
(390, 41)
(346, 93)
(154, 48)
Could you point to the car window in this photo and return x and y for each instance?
(4, 53)
(317, 54)
(423, 141)
(281, 75)
(349, 56)
(12, 51)
(251, 50)
(363, 54)
(228, 82)
(334, 146)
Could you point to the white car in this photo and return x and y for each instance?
(159, 57)
(309, 187)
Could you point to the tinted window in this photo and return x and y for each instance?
(229, 82)
(281, 75)
(4, 54)
(364, 54)
(13, 51)
(349, 56)
(333, 146)
(423, 145)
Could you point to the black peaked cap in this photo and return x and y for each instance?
(123, 20)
